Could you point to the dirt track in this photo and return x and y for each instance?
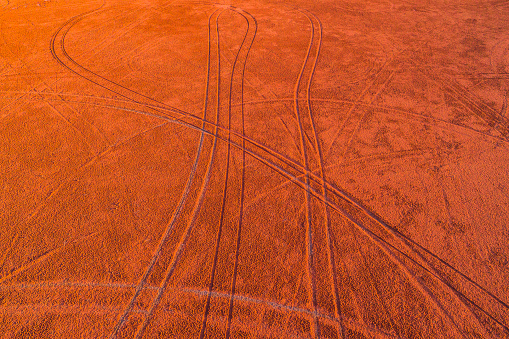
(254, 169)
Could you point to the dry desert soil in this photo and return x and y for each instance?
(254, 169)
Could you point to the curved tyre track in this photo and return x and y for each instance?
(410, 257)
(163, 242)
(304, 154)
(327, 222)
(281, 166)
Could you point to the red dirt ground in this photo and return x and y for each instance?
(254, 169)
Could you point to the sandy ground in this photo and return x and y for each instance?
(254, 169)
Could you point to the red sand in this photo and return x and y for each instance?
(258, 169)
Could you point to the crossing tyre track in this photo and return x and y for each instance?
(307, 70)
(339, 201)
(227, 172)
(410, 257)
(176, 215)
(60, 289)
(318, 150)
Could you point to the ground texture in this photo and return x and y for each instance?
(254, 169)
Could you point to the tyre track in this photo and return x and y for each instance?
(93, 131)
(410, 274)
(176, 214)
(225, 186)
(378, 241)
(350, 202)
(311, 275)
(96, 156)
(243, 173)
(79, 171)
(90, 75)
(385, 110)
(499, 62)
(297, 181)
(42, 257)
(244, 299)
(470, 102)
(180, 246)
(347, 145)
(98, 48)
(354, 106)
(304, 184)
(318, 148)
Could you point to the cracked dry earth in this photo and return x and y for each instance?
(254, 169)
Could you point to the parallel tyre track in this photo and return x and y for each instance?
(406, 247)
(311, 275)
(69, 63)
(238, 237)
(225, 186)
(176, 214)
(412, 247)
(318, 147)
(187, 232)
